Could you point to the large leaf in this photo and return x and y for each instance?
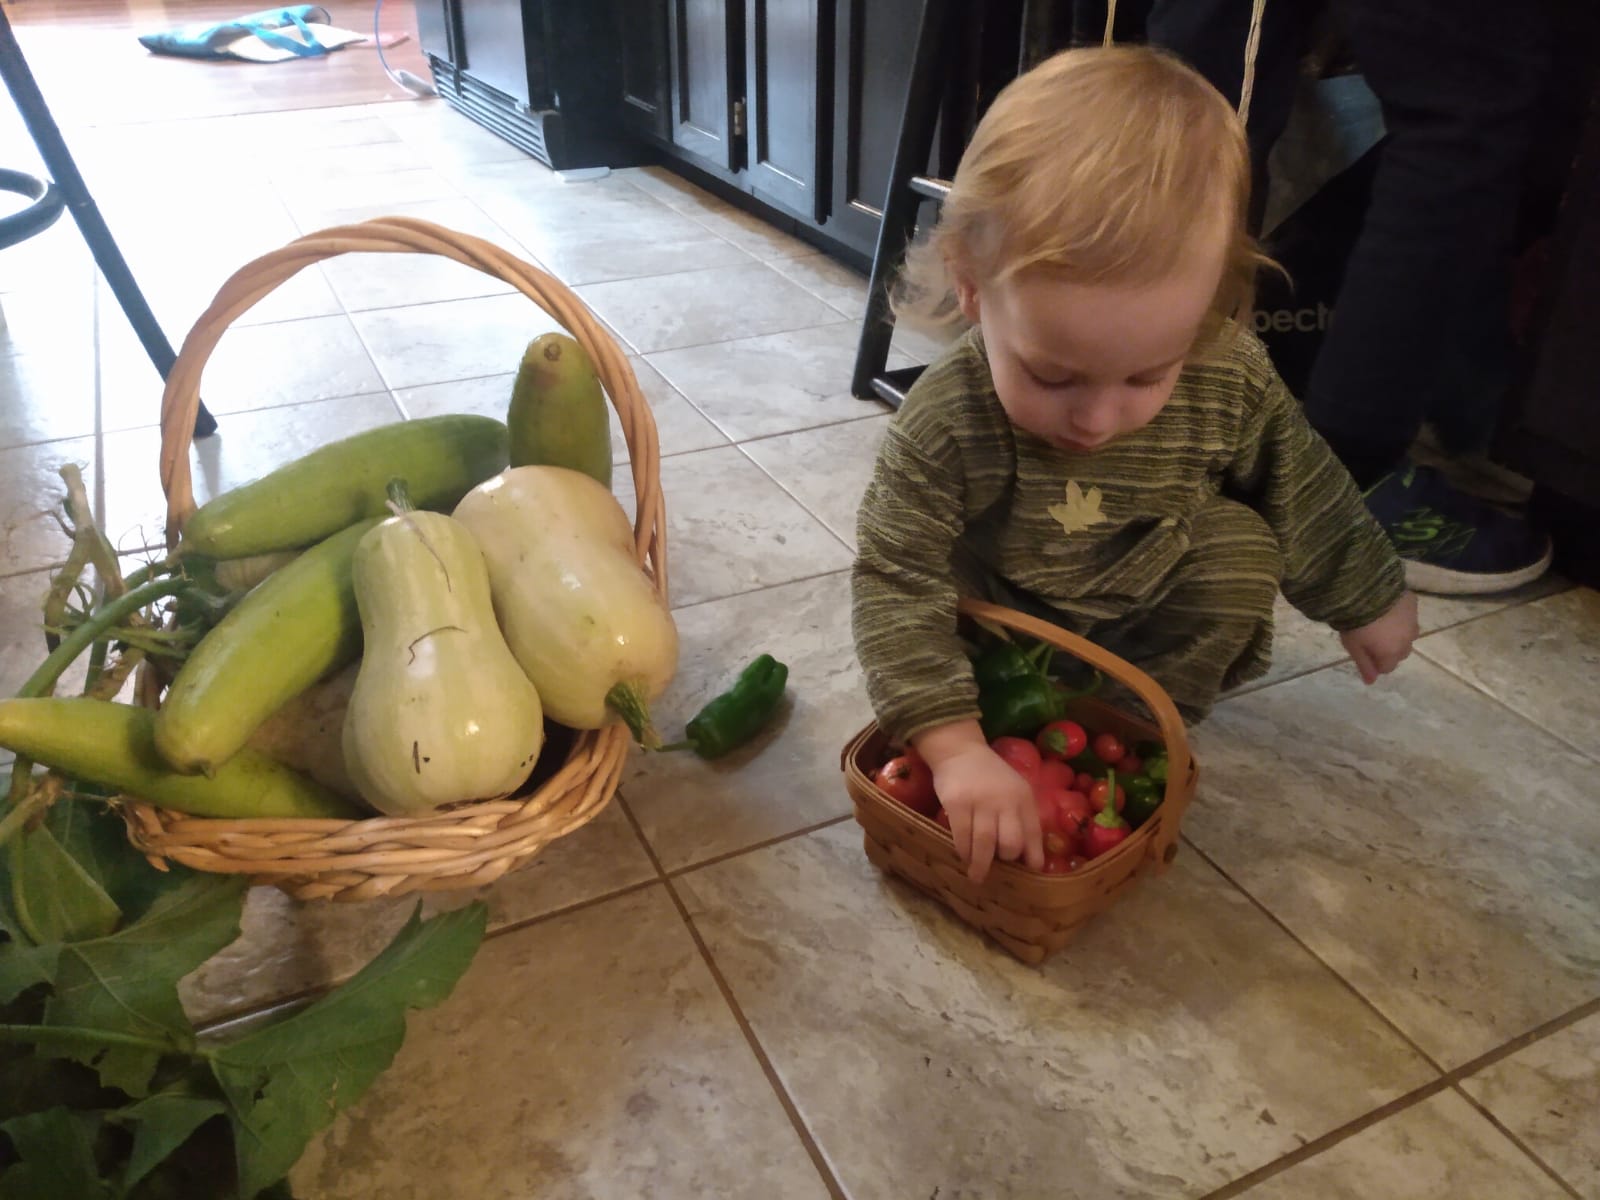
(162, 1123)
(289, 1080)
(98, 839)
(57, 1152)
(128, 983)
(53, 898)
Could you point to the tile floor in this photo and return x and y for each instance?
(1373, 971)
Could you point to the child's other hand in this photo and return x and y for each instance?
(992, 809)
(1383, 645)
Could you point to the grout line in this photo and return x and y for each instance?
(1524, 718)
(801, 504)
(1516, 1141)
(802, 1131)
(765, 587)
(678, 872)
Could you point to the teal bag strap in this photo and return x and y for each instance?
(307, 49)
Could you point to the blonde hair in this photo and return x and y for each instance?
(1105, 164)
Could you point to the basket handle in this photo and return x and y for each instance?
(1173, 733)
(180, 402)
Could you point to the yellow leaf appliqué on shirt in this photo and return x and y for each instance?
(1081, 510)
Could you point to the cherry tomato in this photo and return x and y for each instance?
(1075, 862)
(1056, 844)
(1108, 748)
(1097, 796)
(910, 781)
(1062, 740)
(1021, 754)
(1075, 810)
(1049, 808)
(1053, 773)
(1057, 864)
(1129, 766)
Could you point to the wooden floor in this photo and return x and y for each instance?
(93, 72)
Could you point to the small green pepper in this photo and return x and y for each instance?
(1003, 663)
(1144, 797)
(1020, 707)
(1156, 767)
(733, 718)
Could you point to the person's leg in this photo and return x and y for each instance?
(1210, 36)
(1210, 627)
(1458, 81)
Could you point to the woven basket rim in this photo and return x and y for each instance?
(368, 857)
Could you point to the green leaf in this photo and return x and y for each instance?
(163, 1122)
(56, 1149)
(22, 966)
(289, 1080)
(128, 983)
(52, 897)
(97, 838)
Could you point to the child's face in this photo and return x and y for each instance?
(1081, 364)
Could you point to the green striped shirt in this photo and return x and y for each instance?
(956, 482)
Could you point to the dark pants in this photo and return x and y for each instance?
(1421, 320)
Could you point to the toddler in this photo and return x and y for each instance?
(1105, 446)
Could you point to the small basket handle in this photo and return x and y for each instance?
(180, 402)
(1173, 734)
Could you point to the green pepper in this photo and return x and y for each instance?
(1020, 707)
(1156, 767)
(1144, 797)
(1003, 663)
(733, 718)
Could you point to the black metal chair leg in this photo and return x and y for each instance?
(912, 148)
(64, 173)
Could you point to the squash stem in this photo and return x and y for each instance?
(399, 497)
(626, 699)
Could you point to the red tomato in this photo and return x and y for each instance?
(1108, 748)
(1021, 754)
(1075, 862)
(1130, 765)
(1083, 782)
(1057, 864)
(1097, 796)
(1076, 811)
(1057, 843)
(910, 781)
(1054, 774)
(1062, 739)
(1049, 813)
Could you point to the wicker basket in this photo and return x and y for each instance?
(471, 844)
(1030, 914)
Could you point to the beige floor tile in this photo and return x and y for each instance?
(752, 233)
(672, 190)
(31, 493)
(1548, 1094)
(1436, 852)
(694, 307)
(680, 426)
(828, 280)
(47, 396)
(246, 446)
(341, 191)
(590, 1057)
(691, 809)
(775, 383)
(1180, 1042)
(730, 529)
(1541, 659)
(458, 339)
(46, 320)
(1439, 1149)
(287, 948)
(1441, 612)
(22, 646)
(48, 261)
(826, 469)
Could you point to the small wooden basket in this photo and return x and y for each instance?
(1030, 914)
(471, 844)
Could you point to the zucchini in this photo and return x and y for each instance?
(559, 416)
(100, 741)
(302, 502)
(296, 626)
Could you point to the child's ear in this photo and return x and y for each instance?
(966, 296)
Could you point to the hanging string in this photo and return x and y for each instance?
(1111, 20)
(1252, 43)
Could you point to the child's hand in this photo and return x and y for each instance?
(992, 809)
(1381, 646)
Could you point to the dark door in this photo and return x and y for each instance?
(704, 37)
(646, 88)
(494, 48)
(873, 41)
(788, 96)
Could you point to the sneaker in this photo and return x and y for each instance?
(1454, 544)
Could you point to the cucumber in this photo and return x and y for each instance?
(100, 741)
(558, 415)
(296, 626)
(302, 502)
